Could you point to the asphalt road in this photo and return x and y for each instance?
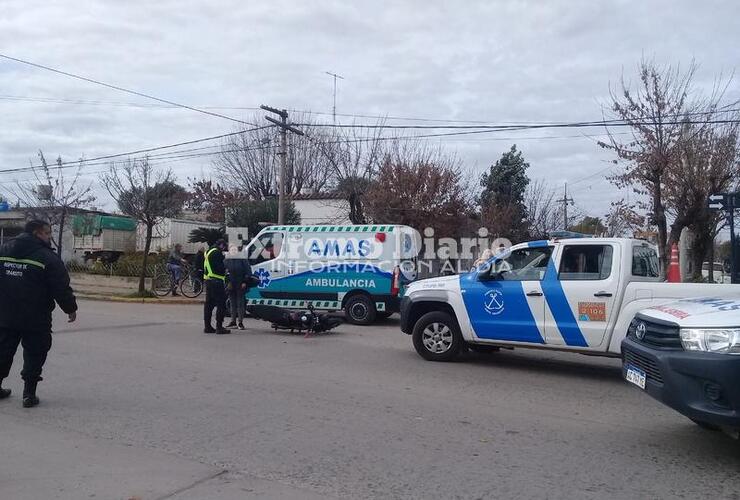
(138, 403)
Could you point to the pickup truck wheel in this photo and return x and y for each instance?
(437, 337)
(360, 310)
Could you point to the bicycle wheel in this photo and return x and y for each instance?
(191, 287)
(162, 284)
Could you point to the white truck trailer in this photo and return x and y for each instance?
(170, 232)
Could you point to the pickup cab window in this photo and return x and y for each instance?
(525, 264)
(645, 262)
(586, 262)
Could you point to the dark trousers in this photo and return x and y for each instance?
(236, 298)
(215, 297)
(35, 347)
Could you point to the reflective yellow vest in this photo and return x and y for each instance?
(209, 274)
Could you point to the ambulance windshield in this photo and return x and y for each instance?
(265, 247)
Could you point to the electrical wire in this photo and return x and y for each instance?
(722, 109)
(121, 89)
(138, 151)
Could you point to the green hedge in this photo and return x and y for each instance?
(128, 264)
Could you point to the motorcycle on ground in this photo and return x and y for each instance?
(308, 321)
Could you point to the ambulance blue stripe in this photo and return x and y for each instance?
(561, 311)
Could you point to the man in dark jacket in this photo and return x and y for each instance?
(238, 275)
(214, 276)
(32, 278)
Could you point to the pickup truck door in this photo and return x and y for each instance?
(581, 290)
(505, 301)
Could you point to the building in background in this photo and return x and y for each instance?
(321, 208)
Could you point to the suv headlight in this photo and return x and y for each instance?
(722, 340)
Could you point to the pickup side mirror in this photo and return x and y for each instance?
(487, 275)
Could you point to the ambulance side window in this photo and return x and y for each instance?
(525, 264)
(586, 262)
(266, 247)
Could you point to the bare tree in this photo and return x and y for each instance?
(709, 163)
(420, 186)
(684, 148)
(147, 195)
(653, 112)
(354, 159)
(544, 214)
(53, 195)
(623, 219)
(249, 162)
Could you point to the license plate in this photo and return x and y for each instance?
(635, 376)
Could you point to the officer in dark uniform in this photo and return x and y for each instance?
(32, 278)
(214, 275)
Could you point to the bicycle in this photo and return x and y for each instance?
(190, 285)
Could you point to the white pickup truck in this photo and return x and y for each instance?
(686, 354)
(575, 295)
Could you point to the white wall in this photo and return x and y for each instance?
(322, 211)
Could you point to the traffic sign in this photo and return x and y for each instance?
(717, 201)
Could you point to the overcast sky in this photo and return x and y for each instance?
(495, 61)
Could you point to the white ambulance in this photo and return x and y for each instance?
(361, 269)
(576, 295)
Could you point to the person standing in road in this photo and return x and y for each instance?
(174, 265)
(198, 261)
(215, 280)
(239, 271)
(32, 279)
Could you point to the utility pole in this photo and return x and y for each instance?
(284, 128)
(565, 201)
(334, 108)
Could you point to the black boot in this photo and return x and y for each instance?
(4, 393)
(29, 395)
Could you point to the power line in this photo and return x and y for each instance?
(722, 109)
(591, 175)
(121, 89)
(139, 151)
(601, 123)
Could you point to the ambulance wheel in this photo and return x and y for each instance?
(437, 337)
(360, 310)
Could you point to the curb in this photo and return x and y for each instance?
(137, 300)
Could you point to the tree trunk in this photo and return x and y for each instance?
(702, 245)
(356, 215)
(660, 222)
(145, 259)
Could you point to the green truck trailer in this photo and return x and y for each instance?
(103, 237)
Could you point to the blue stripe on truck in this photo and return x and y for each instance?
(561, 311)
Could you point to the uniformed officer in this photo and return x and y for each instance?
(32, 278)
(214, 276)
